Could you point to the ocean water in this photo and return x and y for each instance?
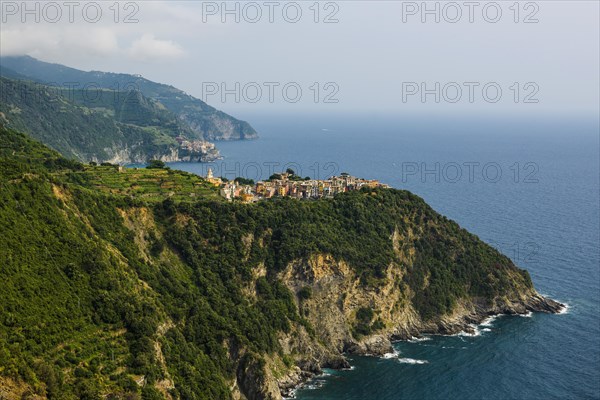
(529, 186)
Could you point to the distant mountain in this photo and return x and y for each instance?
(9, 73)
(204, 121)
(114, 126)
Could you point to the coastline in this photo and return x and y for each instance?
(470, 327)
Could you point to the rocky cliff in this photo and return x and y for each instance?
(196, 151)
(337, 296)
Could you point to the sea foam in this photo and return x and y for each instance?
(528, 315)
(489, 320)
(565, 309)
(395, 354)
(415, 339)
(412, 361)
(476, 331)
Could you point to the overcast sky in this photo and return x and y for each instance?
(359, 55)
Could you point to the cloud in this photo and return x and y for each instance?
(97, 41)
(148, 48)
(16, 42)
(152, 38)
(49, 42)
(70, 42)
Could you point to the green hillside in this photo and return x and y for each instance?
(121, 284)
(110, 125)
(205, 121)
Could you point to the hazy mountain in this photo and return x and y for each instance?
(114, 126)
(205, 121)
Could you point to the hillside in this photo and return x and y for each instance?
(109, 292)
(110, 126)
(204, 121)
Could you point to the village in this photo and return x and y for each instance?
(288, 184)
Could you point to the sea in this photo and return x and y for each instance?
(528, 185)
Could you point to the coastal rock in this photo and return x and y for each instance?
(195, 151)
(216, 125)
(253, 382)
(376, 345)
(539, 303)
(337, 362)
(337, 294)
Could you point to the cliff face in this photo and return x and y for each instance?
(330, 295)
(337, 296)
(347, 316)
(197, 151)
(214, 127)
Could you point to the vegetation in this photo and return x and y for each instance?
(291, 176)
(86, 132)
(201, 120)
(119, 280)
(244, 181)
(149, 185)
(156, 164)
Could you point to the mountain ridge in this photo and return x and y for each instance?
(205, 121)
(115, 126)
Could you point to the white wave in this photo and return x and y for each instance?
(395, 354)
(528, 315)
(486, 330)
(313, 385)
(488, 321)
(565, 309)
(415, 339)
(412, 361)
(476, 332)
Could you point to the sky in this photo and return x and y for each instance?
(501, 57)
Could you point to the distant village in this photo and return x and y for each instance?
(288, 184)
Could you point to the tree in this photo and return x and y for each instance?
(244, 181)
(305, 293)
(156, 164)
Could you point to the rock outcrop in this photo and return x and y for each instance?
(336, 297)
(196, 151)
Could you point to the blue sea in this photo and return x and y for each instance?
(527, 185)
